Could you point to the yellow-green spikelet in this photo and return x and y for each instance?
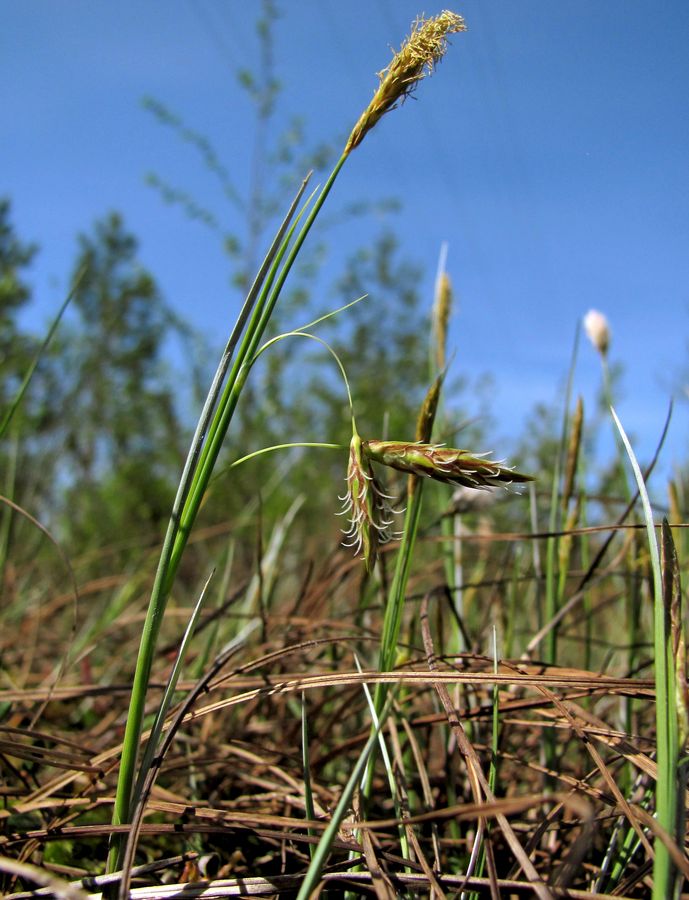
(417, 56)
(365, 504)
(442, 463)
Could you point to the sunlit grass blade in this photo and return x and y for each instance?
(205, 448)
(152, 744)
(493, 767)
(6, 513)
(551, 596)
(672, 599)
(202, 659)
(262, 582)
(394, 608)
(667, 730)
(387, 763)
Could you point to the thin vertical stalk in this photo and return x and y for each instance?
(551, 592)
(553, 525)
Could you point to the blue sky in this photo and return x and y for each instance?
(550, 151)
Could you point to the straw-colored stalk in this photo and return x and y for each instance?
(416, 58)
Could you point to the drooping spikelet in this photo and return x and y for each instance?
(417, 56)
(366, 505)
(442, 463)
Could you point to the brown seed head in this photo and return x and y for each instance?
(418, 55)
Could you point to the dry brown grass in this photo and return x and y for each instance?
(231, 782)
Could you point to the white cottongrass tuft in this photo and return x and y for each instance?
(597, 330)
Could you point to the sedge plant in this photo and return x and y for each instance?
(417, 57)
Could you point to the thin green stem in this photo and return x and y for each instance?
(394, 608)
(318, 444)
(19, 396)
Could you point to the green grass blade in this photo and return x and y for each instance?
(208, 439)
(551, 599)
(185, 707)
(394, 608)
(7, 418)
(215, 426)
(493, 767)
(6, 513)
(179, 527)
(667, 732)
(389, 770)
(221, 591)
(169, 693)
